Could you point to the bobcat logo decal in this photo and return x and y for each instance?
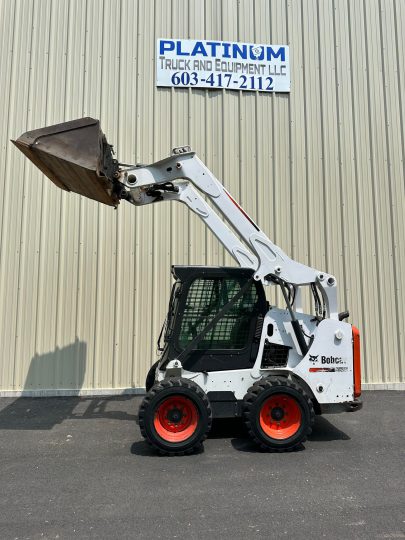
(313, 358)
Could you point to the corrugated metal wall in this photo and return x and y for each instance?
(84, 288)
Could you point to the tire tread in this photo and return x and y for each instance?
(250, 398)
(172, 383)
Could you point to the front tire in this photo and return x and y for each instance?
(175, 416)
(278, 414)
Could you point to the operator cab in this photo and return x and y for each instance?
(198, 296)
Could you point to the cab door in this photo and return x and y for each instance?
(233, 342)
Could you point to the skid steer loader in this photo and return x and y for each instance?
(224, 350)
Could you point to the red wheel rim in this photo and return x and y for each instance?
(176, 419)
(280, 416)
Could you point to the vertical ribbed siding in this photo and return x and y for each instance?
(84, 288)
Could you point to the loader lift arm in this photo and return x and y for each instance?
(75, 155)
(182, 177)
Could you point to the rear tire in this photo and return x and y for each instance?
(278, 414)
(175, 416)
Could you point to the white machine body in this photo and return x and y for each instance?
(327, 367)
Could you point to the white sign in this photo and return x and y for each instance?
(222, 64)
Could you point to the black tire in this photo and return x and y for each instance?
(197, 411)
(268, 404)
(150, 377)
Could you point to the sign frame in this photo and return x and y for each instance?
(229, 65)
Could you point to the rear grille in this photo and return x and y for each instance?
(274, 355)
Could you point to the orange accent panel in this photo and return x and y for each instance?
(356, 362)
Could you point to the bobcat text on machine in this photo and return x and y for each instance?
(226, 351)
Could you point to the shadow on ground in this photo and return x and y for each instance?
(142, 448)
(68, 364)
(323, 430)
(235, 430)
(45, 413)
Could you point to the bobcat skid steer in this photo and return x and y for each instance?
(226, 351)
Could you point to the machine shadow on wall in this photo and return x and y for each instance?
(42, 413)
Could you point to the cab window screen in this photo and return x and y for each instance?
(204, 299)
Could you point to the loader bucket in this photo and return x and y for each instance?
(75, 156)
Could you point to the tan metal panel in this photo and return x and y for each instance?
(343, 247)
(379, 177)
(394, 182)
(84, 288)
